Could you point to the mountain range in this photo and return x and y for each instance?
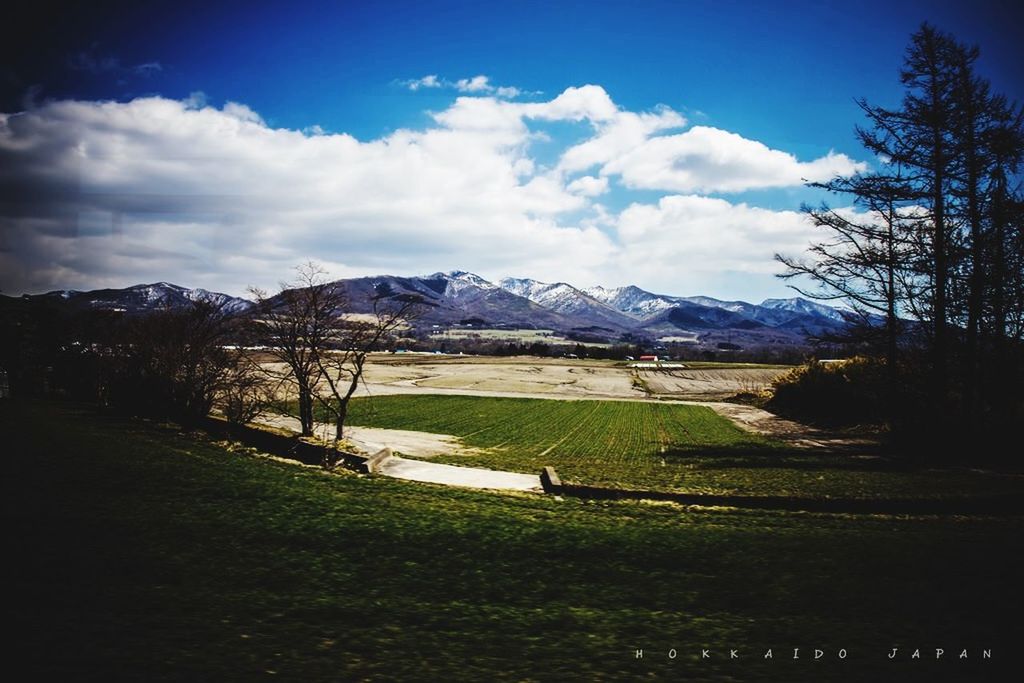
(459, 298)
(142, 298)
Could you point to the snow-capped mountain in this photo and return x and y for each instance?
(771, 312)
(553, 296)
(458, 297)
(462, 298)
(735, 306)
(566, 299)
(142, 298)
(633, 300)
(460, 281)
(801, 305)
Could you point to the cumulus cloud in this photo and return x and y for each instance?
(587, 102)
(114, 193)
(691, 238)
(705, 159)
(622, 132)
(635, 148)
(509, 120)
(104, 192)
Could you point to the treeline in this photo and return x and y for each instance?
(172, 364)
(179, 363)
(481, 346)
(928, 250)
(774, 354)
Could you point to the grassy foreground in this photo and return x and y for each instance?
(655, 446)
(138, 553)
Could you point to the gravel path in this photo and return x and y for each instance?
(422, 444)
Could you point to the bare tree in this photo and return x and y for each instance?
(297, 325)
(353, 337)
(246, 390)
(863, 260)
(177, 361)
(312, 327)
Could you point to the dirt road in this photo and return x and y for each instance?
(707, 383)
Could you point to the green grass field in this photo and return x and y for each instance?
(138, 553)
(657, 446)
(569, 430)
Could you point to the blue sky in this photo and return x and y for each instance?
(754, 80)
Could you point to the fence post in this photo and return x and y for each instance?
(550, 481)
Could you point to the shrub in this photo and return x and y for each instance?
(838, 394)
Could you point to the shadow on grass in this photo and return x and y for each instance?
(724, 457)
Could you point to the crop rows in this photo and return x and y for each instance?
(579, 428)
(654, 446)
(594, 441)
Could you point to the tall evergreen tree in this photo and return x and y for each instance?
(919, 137)
(938, 236)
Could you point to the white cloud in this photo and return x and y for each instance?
(705, 159)
(482, 85)
(688, 239)
(216, 196)
(509, 119)
(477, 85)
(242, 112)
(114, 193)
(588, 186)
(429, 81)
(196, 100)
(508, 91)
(587, 102)
(702, 159)
(622, 132)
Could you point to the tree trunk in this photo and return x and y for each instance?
(358, 361)
(339, 424)
(939, 379)
(976, 278)
(890, 316)
(995, 389)
(306, 410)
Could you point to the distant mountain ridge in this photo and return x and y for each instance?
(143, 298)
(466, 299)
